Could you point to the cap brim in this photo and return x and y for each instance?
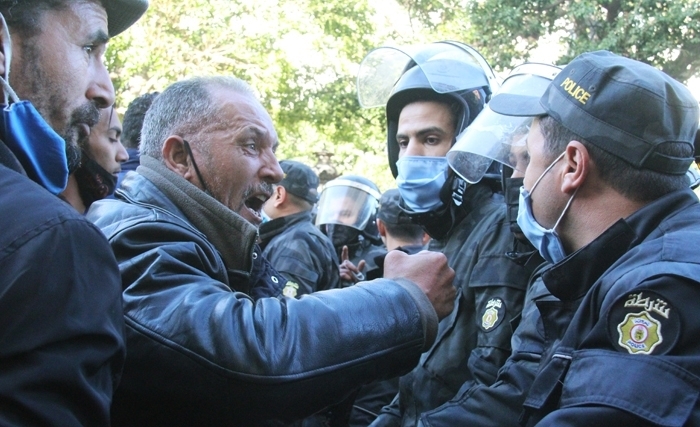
(517, 105)
(121, 14)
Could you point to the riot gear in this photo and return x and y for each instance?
(347, 213)
(448, 72)
(493, 136)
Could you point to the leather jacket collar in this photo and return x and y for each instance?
(231, 234)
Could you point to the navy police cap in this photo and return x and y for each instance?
(620, 105)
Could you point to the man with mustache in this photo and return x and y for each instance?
(62, 338)
(211, 339)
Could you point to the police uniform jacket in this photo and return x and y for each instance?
(202, 350)
(631, 355)
(301, 253)
(607, 336)
(491, 272)
(61, 342)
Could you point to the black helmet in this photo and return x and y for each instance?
(446, 71)
(349, 205)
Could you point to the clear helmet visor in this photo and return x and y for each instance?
(348, 205)
(448, 66)
(493, 136)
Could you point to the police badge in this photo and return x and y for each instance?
(493, 315)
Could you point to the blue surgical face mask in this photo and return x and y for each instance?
(39, 149)
(265, 216)
(419, 181)
(546, 241)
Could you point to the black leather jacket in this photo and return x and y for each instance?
(199, 352)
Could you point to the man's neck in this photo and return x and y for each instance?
(593, 213)
(393, 243)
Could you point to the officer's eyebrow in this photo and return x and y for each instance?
(424, 131)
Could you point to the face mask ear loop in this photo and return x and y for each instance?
(566, 208)
(532, 190)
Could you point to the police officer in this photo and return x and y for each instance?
(441, 88)
(347, 214)
(298, 250)
(606, 201)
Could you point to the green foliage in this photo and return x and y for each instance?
(664, 33)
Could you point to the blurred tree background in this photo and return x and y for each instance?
(302, 56)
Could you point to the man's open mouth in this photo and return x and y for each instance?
(255, 204)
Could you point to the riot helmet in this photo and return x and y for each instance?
(347, 210)
(450, 72)
(493, 136)
(496, 137)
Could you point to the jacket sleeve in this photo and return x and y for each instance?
(271, 358)
(62, 329)
(301, 260)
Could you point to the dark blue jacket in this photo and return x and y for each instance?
(593, 347)
(61, 339)
(631, 354)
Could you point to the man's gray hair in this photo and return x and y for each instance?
(185, 108)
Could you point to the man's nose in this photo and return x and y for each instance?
(100, 89)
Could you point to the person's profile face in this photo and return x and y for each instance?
(104, 144)
(61, 69)
(518, 156)
(425, 128)
(239, 163)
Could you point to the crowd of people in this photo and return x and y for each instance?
(533, 265)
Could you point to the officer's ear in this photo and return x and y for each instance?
(578, 167)
(381, 227)
(279, 196)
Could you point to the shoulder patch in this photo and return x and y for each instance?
(493, 314)
(290, 289)
(643, 322)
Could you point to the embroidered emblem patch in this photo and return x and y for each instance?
(290, 289)
(493, 314)
(643, 322)
(640, 333)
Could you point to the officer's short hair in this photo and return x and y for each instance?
(642, 185)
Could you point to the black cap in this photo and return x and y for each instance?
(622, 106)
(389, 210)
(121, 14)
(300, 180)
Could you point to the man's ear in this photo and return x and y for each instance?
(578, 166)
(176, 158)
(381, 227)
(279, 196)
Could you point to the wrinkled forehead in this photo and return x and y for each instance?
(241, 112)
